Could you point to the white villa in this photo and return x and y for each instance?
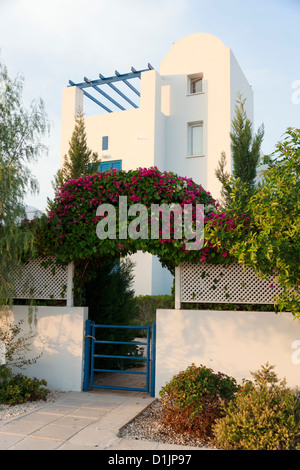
(178, 119)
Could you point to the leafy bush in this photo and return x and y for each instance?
(191, 400)
(265, 415)
(147, 306)
(17, 389)
(271, 243)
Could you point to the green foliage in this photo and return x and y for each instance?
(21, 131)
(191, 399)
(244, 146)
(80, 160)
(245, 154)
(189, 386)
(272, 243)
(18, 389)
(265, 415)
(224, 177)
(147, 306)
(109, 293)
(230, 307)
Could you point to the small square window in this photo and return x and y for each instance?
(196, 85)
(105, 142)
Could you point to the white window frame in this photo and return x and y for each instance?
(191, 153)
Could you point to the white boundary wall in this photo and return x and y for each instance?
(59, 335)
(232, 342)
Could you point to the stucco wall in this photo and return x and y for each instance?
(59, 335)
(157, 132)
(234, 343)
(149, 276)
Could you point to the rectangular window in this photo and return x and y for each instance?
(195, 139)
(117, 164)
(196, 85)
(105, 142)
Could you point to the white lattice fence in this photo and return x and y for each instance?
(228, 283)
(44, 282)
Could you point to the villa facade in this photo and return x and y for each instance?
(178, 119)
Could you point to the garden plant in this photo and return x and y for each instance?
(18, 388)
(264, 415)
(191, 400)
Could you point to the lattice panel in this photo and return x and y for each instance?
(41, 282)
(208, 283)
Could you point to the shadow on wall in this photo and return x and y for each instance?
(233, 343)
(59, 336)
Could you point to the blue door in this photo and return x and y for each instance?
(90, 356)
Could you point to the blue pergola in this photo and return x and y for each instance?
(98, 84)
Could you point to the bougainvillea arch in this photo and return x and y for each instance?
(69, 230)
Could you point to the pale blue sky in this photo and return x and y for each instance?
(50, 42)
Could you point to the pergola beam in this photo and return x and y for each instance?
(92, 98)
(106, 95)
(128, 84)
(116, 78)
(125, 77)
(113, 87)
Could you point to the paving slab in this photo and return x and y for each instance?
(81, 421)
(77, 420)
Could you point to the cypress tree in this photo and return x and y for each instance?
(245, 147)
(80, 160)
(245, 152)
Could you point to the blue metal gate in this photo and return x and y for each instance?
(90, 356)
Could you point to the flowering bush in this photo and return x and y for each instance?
(69, 230)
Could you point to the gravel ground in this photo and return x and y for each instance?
(10, 411)
(148, 426)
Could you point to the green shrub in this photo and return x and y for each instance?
(191, 400)
(265, 415)
(147, 306)
(17, 389)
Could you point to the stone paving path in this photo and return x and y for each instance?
(80, 421)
